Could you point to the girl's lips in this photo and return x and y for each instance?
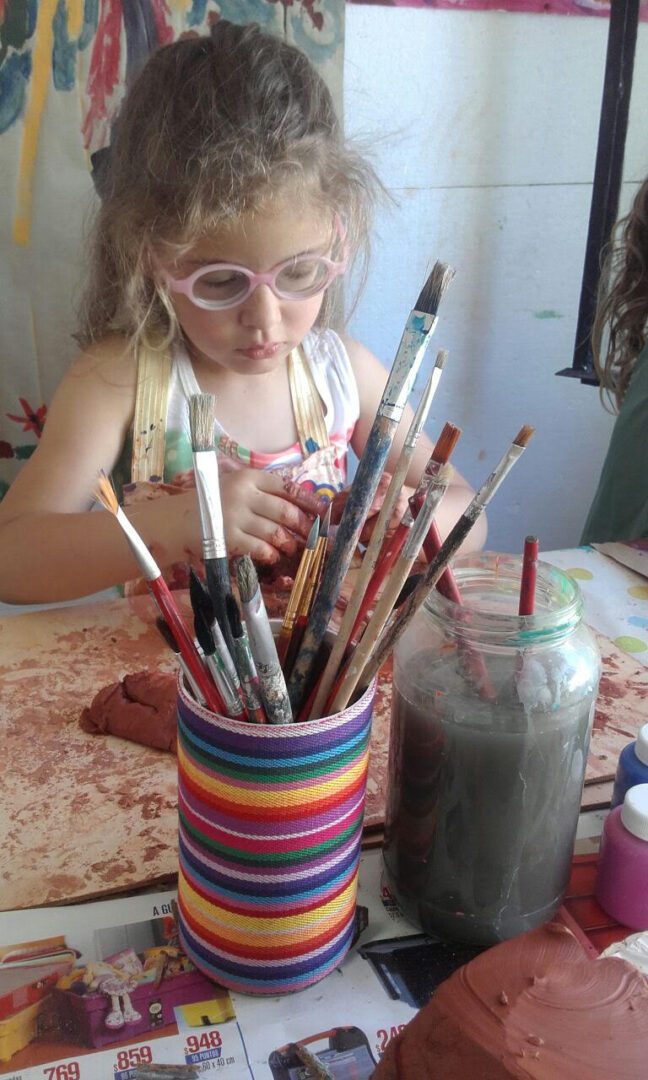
(261, 352)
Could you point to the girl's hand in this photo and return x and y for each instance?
(340, 499)
(265, 514)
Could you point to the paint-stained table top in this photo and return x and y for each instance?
(84, 816)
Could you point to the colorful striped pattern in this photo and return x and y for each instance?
(270, 824)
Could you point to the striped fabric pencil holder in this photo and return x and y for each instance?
(270, 825)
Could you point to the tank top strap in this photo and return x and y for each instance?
(307, 405)
(150, 416)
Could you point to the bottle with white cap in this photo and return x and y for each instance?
(622, 877)
(632, 767)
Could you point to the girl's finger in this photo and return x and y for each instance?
(257, 549)
(298, 495)
(263, 526)
(280, 511)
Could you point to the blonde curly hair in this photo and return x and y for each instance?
(211, 128)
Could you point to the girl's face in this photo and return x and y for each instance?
(256, 336)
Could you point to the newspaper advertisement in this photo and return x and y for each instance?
(94, 990)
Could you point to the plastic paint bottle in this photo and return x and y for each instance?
(632, 767)
(622, 879)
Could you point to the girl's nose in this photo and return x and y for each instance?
(261, 310)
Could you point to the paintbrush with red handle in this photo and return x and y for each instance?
(105, 494)
(393, 546)
(449, 548)
(529, 575)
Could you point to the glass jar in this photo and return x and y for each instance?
(491, 720)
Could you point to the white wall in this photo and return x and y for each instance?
(484, 127)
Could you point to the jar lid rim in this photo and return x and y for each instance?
(523, 630)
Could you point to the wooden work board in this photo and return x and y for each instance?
(85, 816)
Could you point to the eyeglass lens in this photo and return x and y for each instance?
(300, 278)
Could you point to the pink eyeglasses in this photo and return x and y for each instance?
(224, 285)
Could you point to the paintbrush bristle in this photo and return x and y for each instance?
(233, 616)
(434, 289)
(524, 435)
(201, 421)
(446, 442)
(441, 358)
(313, 534)
(105, 493)
(246, 577)
(445, 474)
(199, 596)
(165, 631)
(326, 522)
(204, 633)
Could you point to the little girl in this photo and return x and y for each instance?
(620, 507)
(231, 208)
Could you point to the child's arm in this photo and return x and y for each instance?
(371, 377)
(52, 548)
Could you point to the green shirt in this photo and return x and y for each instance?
(620, 507)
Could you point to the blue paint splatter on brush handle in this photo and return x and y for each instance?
(370, 469)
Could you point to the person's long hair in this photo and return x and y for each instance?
(619, 332)
(213, 128)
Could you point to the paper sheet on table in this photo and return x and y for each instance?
(633, 554)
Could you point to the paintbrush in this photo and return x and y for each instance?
(392, 547)
(234, 705)
(165, 632)
(205, 461)
(416, 336)
(529, 575)
(449, 547)
(372, 552)
(205, 621)
(297, 590)
(262, 644)
(245, 665)
(105, 494)
(393, 585)
(311, 585)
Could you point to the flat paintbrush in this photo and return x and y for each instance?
(372, 553)
(393, 585)
(214, 550)
(262, 644)
(234, 705)
(151, 572)
(416, 337)
(245, 665)
(297, 590)
(203, 610)
(393, 546)
(311, 585)
(449, 548)
(164, 631)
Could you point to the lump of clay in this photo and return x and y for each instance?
(141, 707)
(533, 1007)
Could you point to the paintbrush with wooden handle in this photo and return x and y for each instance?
(449, 548)
(416, 337)
(214, 550)
(370, 557)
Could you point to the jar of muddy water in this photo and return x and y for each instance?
(491, 722)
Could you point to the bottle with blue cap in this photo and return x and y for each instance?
(632, 768)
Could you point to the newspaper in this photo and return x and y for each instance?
(64, 1015)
